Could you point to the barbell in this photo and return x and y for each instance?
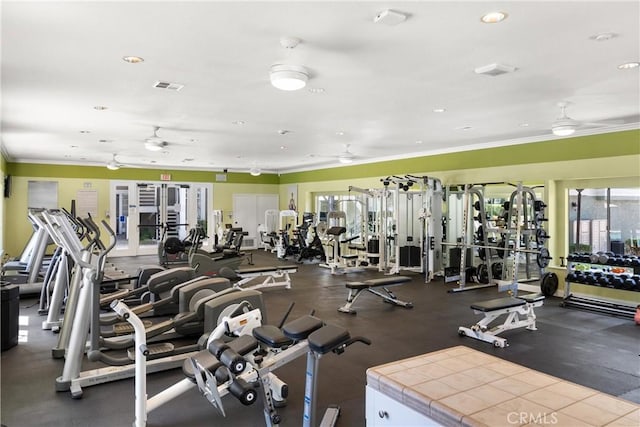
(542, 259)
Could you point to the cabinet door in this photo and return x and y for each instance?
(381, 410)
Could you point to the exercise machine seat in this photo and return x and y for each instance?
(531, 298)
(327, 338)
(241, 345)
(498, 304)
(271, 336)
(300, 328)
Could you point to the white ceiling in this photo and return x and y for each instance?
(381, 83)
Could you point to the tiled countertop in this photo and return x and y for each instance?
(460, 386)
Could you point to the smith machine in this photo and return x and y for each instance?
(503, 234)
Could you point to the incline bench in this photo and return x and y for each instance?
(371, 285)
(492, 309)
(243, 278)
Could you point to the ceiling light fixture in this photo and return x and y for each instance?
(494, 17)
(316, 90)
(288, 77)
(439, 110)
(629, 65)
(132, 59)
(254, 171)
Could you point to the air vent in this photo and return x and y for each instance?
(495, 69)
(168, 85)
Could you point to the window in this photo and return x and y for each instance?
(604, 220)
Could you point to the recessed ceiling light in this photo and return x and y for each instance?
(603, 37)
(494, 17)
(464, 128)
(237, 122)
(282, 147)
(524, 125)
(340, 133)
(100, 107)
(419, 141)
(439, 110)
(132, 59)
(629, 65)
(283, 131)
(316, 89)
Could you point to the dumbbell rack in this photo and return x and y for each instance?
(594, 303)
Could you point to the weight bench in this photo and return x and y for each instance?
(242, 277)
(372, 285)
(493, 309)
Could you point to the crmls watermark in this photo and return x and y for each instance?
(540, 418)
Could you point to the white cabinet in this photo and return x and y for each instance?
(381, 410)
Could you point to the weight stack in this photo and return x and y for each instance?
(410, 256)
(9, 312)
(373, 247)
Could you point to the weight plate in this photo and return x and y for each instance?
(543, 258)
(549, 284)
(496, 270)
(483, 273)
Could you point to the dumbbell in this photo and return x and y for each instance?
(590, 279)
(619, 283)
(603, 281)
(476, 205)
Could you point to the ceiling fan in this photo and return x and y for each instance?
(565, 125)
(346, 156)
(155, 143)
(113, 164)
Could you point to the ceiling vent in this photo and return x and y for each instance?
(495, 69)
(168, 85)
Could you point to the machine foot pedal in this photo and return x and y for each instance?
(125, 328)
(156, 351)
(330, 416)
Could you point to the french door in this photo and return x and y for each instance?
(144, 214)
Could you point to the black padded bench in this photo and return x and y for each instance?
(372, 285)
(291, 332)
